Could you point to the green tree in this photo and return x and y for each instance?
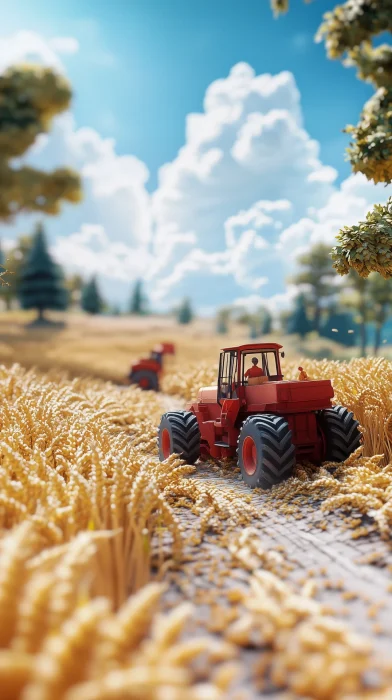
(222, 321)
(298, 322)
(266, 322)
(185, 313)
(92, 301)
(41, 283)
(15, 262)
(318, 274)
(138, 303)
(380, 295)
(30, 96)
(348, 32)
(253, 333)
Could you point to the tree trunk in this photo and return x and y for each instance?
(363, 337)
(40, 314)
(8, 303)
(363, 315)
(317, 318)
(377, 338)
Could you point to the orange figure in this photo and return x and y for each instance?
(254, 371)
(302, 375)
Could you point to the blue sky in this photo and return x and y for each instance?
(143, 66)
(158, 57)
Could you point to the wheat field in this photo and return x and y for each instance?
(104, 347)
(91, 523)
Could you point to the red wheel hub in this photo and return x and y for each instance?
(249, 455)
(166, 443)
(144, 383)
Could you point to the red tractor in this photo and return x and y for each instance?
(146, 372)
(269, 423)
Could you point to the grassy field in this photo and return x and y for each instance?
(104, 347)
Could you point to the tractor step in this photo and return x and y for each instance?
(221, 444)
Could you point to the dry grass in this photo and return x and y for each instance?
(58, 642)
(104, 347)
(83, 506)
(83, 499)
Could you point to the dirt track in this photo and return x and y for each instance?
(318, 546)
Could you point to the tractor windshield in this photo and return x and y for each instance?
(260, 363)
(227, 377)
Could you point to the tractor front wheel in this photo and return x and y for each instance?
(145, 379)
(266, 455)
(179, 433)
(341, 432)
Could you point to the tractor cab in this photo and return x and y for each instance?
(236, 368)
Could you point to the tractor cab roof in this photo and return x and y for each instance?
(256, 347)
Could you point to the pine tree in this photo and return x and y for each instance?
(298, 322)
(138, 304)
(92, 301)
(253, 334)
(185, 313)
(42, 281)
(266, 322)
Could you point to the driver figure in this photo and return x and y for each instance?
(254, 371)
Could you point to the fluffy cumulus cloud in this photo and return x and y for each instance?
(244, 196)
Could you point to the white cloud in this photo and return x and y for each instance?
(29, 46)
(346, 206)
(245, 194)
(64, 45)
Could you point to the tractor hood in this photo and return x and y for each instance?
(208, 394)
(280, 396)
(291, 395)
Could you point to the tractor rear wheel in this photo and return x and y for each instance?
(341, 432)
(145, 379)
(266, 455)
(179, 433)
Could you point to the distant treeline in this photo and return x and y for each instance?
(35, 281)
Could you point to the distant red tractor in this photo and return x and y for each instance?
(146, 372)
(269, 423)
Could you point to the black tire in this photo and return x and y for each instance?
(341, 432)
(184, 434)
(273, 454)
(145, 379)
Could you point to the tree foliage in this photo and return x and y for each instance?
(92, 301)
(30, 96)
(222, 320)
(185, 313)
(138, 303)
(318, 274)
(42, 284)
(348, 32)
(367, 246)
(298, 322)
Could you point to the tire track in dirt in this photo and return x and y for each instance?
(318, 546)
